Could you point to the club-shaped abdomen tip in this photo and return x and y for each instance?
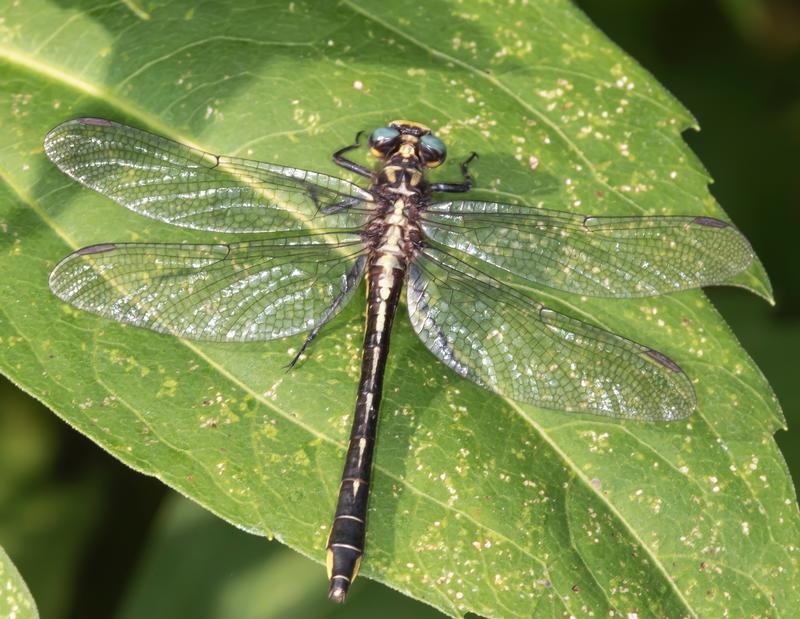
(337, 592)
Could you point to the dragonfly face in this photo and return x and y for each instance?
(408, 141)
(328, 234)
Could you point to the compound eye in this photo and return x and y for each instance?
(383, 140)
(432, 150)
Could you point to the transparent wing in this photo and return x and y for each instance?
(508, 343)
(187, 187)
(595, 256)
(258, 290)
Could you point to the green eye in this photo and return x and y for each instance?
(382, 137)
(432, 149)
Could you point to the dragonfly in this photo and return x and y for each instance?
(319, 236)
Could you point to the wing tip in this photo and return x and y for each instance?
(94, 121)
(663, 360)
(94, 249)
(53, 282)
(60, 128)
(674, 410)
(710, 222)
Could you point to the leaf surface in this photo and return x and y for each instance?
(16, 600)
(479, 504)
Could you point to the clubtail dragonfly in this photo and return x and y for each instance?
(322, 235)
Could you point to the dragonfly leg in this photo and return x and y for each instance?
(339, 206)
(339, 160)
(331, 208)
(352, 280)
(458, 187)
(309, 338)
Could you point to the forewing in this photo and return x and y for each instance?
(595, 256)
(506, 342)
(258, 290)
(187, 187)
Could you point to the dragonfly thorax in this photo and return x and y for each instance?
(394, 230)
(398, 177)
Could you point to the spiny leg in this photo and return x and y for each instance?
(313, 193)
(458, 187)
(352, 279)
(309, 338)
(339, 206)
(339, 160)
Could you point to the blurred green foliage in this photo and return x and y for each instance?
(92, 538)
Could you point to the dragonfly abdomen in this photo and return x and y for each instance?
(386, 273)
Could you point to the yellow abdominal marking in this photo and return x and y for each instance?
(397, 220)
(380, 323)
(362, 445)
(376, 353)
(329, 562)
(391, 242)
(388, 260)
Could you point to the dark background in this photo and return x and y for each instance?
(80, 526)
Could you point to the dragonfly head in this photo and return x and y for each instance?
(409, 140)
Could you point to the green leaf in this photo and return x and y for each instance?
(16, 601)
(479, 504)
